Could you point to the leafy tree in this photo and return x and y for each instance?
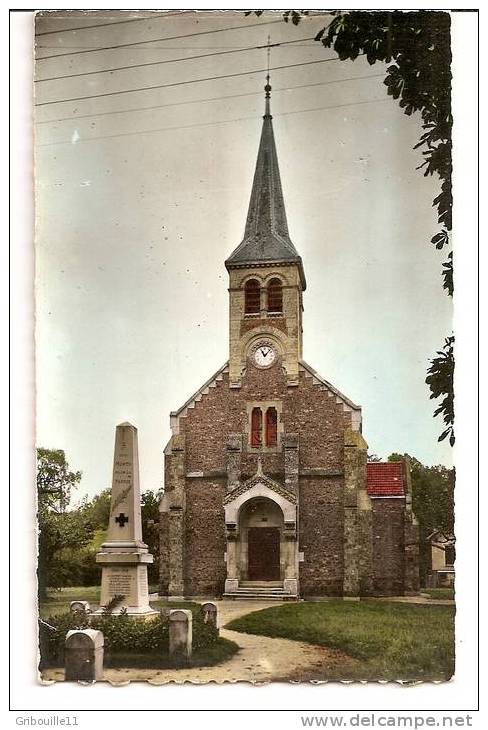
(58, 528)
(97, 510)
(432, 502)
(150, 530)
(440, 380)
(54, 479)
(416, 44)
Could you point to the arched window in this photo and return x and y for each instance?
(271, 427)
(252, 297)
(275, 296)
(256, 427)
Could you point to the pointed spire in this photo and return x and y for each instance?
(266, 237)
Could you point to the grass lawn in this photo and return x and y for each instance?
(390, 640)
(58, 601)
(439, 592)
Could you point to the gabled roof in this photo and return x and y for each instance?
(386, 479)
(266, 238)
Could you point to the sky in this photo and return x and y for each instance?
(136, 212)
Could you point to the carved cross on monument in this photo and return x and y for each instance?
(121, 519)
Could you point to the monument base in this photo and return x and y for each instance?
(125, 575)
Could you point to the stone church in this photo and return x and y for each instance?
(267, 487)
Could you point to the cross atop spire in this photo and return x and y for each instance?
(267, 88)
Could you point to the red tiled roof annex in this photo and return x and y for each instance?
(386, 480)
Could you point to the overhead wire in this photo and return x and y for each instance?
(209, 124)
(102, 25)
(176, 48)
(184, 83)
(156, 40)
(172, 60)
(207, 100)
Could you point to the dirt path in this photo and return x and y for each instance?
(259, 659)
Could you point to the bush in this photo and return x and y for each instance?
(123, 635)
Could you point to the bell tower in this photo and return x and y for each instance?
(266, 276)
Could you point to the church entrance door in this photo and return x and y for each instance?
(263, 560)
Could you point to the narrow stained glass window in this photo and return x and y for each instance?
(256, 427)
(271, 427)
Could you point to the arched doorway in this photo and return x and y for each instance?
(261, 504)
(261, 536)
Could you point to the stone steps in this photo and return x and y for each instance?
(260, 590)
(248, 591)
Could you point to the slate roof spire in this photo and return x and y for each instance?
(266, 238)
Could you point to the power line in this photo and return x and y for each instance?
(154, 40)
(170, 48)
(172, 60)
(210, 99)
(103, 25)
(211, 124)
(184, 83)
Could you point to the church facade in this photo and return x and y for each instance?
(267, 487)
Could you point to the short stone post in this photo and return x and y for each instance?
(180, 632)
(83, 655)
(211, 613)
(79, 606)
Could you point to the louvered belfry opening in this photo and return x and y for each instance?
(275, 296)
(252, 297)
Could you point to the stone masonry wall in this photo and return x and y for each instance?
(388, 546)
(163, 553)
(307, 410)
(205, 538)
(321, 536)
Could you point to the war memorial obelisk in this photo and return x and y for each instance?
(123, 556)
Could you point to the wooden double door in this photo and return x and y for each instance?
(263, 553)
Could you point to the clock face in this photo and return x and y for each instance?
(264, 355)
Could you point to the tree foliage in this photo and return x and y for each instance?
(97, 510)
(59, 529)
(416, 45)
(150, 530)
(54, 479)
(440, 380)
(432, 502)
